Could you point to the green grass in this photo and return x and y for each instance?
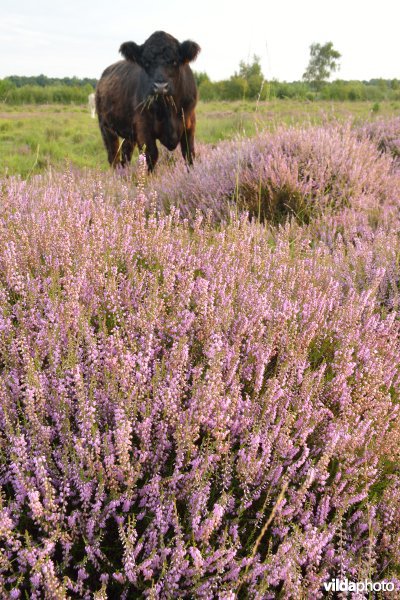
(225, 120)
(35, 137)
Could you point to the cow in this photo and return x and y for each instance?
(150, 95)
(92, 105)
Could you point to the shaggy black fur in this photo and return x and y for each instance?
(149, 96)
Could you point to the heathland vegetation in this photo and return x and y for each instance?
(200, 369)
(35, 137)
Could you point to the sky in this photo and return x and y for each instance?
(81, 38)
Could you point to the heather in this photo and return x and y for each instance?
(385, 134)
(298, 172)
(199, 372)
(37, 137)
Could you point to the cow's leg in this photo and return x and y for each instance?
(110, 140)
(187, 140)
(146, 141)
(126, 152)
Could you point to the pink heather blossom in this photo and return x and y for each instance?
(199, 372)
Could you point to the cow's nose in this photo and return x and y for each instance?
(160, 87)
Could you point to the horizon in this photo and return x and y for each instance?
(330, 80)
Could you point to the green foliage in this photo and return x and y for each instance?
(297, 89)
(251, 73)
(207, 90)
(247, 70)
(323, 62)
(16, 90)
(247, 83)
(36, 94)
(237, 88)
(43, 81)
(372, 91)
(5, 88)
(200, 78)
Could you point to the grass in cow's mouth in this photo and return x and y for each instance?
(172, 102)
(148, 102)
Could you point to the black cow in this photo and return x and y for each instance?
(149, 96)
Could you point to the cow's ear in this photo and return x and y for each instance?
(131, 51)
(188, 51)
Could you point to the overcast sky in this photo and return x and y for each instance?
(78, 37)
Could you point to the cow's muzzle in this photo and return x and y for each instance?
(161, 88)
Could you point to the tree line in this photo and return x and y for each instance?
(257, 88)
(43, 81)
(248, 83)
(48, 91)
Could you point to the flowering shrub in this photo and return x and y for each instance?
(197, 411)
(291, 172)
(385, 134)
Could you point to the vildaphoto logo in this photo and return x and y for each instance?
(344, 585)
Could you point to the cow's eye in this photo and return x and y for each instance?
(175, 63)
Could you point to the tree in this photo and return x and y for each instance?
(247, 70)
(252, 74)
(6, 87)
(208, 90)
(323, 62)
(199, 77)
(236, 88)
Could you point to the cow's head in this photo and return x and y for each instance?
(162, 57)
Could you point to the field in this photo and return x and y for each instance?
(200, 370)
(36, 137)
